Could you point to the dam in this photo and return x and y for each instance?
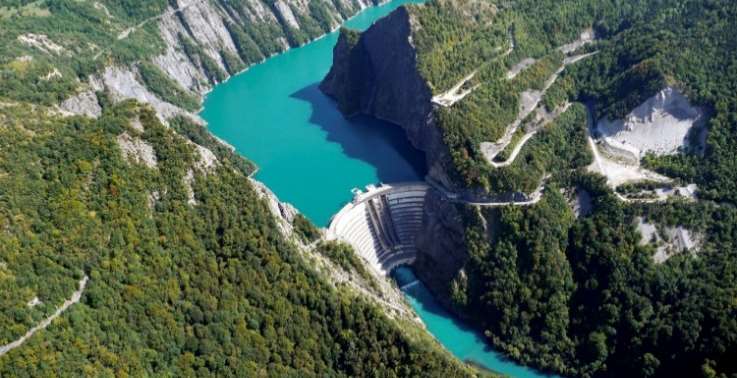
(381, 224)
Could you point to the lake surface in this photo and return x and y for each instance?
(307, 153)
(311, 156)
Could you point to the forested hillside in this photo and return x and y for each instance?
(49, 48)
(572, 281)
(642, 45)
(185, 271)
(177, 286)
(583, 296)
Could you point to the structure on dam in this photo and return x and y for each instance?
(381, 224)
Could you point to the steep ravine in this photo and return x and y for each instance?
(441, 251)
(376, 74)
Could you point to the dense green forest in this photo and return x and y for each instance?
(207, 286)
(584, 297)
(188, 272)
(175, 289)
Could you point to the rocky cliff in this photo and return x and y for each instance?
(234, 35)
(376, 74)
(441, 251)
(204, 42)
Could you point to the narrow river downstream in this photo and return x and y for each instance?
(312, 157)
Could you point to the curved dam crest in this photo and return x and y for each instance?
(309, 155)
(382, 223)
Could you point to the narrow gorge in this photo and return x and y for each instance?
(339, 188)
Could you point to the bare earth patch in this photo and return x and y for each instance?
(136, 150)
(659, 126)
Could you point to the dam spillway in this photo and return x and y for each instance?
(381, 224)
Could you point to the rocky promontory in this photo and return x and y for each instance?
(375, 73)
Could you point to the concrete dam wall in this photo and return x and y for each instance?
(381, 224)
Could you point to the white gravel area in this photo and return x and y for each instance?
(660, 126)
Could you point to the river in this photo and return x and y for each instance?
(310, 156)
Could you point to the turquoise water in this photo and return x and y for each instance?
(463, 341)
(307, 153)
(310, 156)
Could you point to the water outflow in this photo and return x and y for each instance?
(464, 342)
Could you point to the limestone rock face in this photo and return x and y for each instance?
(376, 74)
(174, 62)
(286, 14)
(84, 103)
(122, 84)
(209, 25)
(212, 27)
(136, 150)
(283, 212)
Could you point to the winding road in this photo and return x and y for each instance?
(76, 296)
(530, 102)
(125, 33)
(531, 199)
(452, 95)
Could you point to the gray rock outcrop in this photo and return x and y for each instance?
(84, 103)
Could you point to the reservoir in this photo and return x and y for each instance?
(307, 153)
(311, 157)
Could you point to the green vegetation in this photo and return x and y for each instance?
(644, 46)
(248, 50)
(583, 297)
(554, 150)
(24, 9)
(305, 229)
(175, 289)
(530, 290)
(454, 38)
(343, 255)
(198, 134)
(166, 88)
(87, 33)
(196, 54)
(688, 48)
